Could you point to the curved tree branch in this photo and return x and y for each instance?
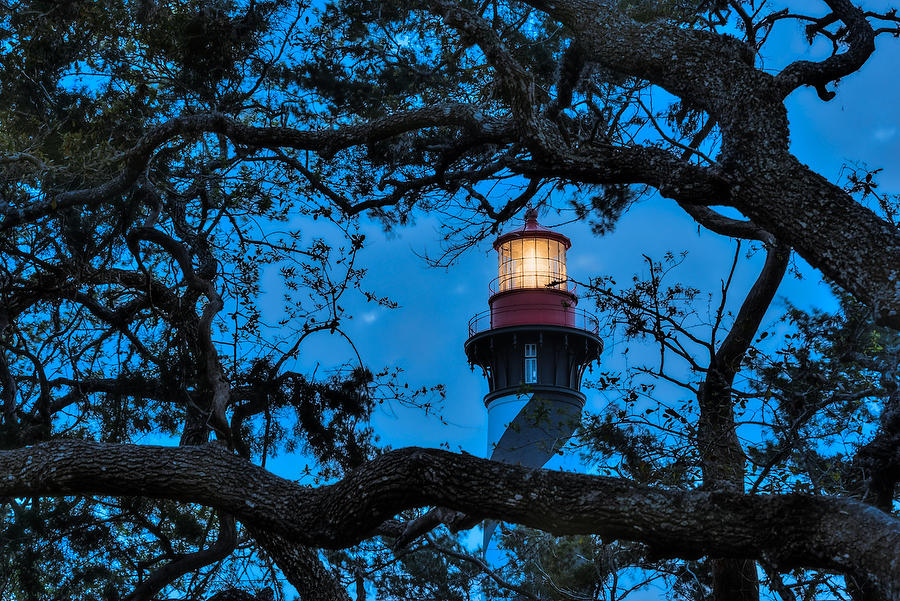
(861, 45)
(327, 142)
(515, 83)
(672, 176)
(732, 350)
(789, 530)
(726, 226)
(722, 457)
(222, 547)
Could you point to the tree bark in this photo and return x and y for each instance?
(721, 454)
(168, 573)
(825, 225)
(301, 566)
(788, 530)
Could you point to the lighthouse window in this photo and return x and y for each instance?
(530, 363)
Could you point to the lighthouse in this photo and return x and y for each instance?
(533, 345)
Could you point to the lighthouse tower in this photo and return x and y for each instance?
(533, 346)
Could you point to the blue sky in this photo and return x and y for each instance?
(425, 335)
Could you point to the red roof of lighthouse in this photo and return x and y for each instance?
(531, 229)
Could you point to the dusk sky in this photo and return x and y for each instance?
(425, 335)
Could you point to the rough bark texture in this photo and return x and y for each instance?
(788, 530)
(755, 171)
(132, 189)
(301, 566)
(722, 457)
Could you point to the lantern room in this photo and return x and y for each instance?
(532, 285)
(531, 257)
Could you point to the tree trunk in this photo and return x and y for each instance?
(301, 566)
(722, 459)
(721, 455)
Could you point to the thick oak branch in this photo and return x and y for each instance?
(326, 141)
(788, 530)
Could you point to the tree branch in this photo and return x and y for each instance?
(607, 164)
(301, 566)
(732, 350)
(327, 142)
(789, 530)
(515, 83)
(220, 549)
(861, 44)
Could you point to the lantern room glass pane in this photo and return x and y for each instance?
(553, 255)
(532, 262)
(503, 254)
(529, 263)
(515, 279)
(562, 263)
